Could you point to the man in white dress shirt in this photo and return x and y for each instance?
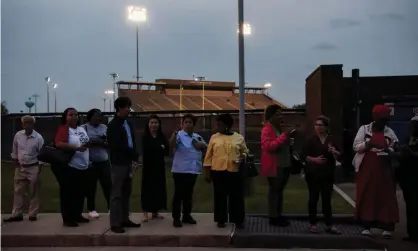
(26, 146)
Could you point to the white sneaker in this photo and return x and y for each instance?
(387, 235)
(367, 232)
(93, 215)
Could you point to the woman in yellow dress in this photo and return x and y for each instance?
(225, 154)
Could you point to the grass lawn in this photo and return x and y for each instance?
(295, 199)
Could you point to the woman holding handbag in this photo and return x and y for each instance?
(72, 176)
(226, 152)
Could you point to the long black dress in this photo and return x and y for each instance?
(153, 190)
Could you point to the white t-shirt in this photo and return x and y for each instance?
(78, 137)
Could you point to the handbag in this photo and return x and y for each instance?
(296, 163)
(54, 156)
(251, 168)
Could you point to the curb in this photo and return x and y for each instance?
(80, 240)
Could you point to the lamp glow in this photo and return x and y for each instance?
(137, 14)
(267, 85)
(109, 92)
(247, 28)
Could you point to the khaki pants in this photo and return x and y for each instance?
(26, 180)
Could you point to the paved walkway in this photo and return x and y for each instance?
(396, 244)
(166, 249)
(48, 231)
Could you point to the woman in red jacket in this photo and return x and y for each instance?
(275, 161)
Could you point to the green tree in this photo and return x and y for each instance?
(299, 106)
(4, 109)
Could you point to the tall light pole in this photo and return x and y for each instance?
(137, 15)
(243, 29)
(35, 97)
(114, 76)
(104, 105)
(55, 86)
(110, 93)
(47, 81)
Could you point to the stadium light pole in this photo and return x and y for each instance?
(137, 15)
(47, 81)
(110, 93)
(55, 86)
(114, 76)
(243, 29)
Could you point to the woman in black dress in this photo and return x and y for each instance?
(153, 190)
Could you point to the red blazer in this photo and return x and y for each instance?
(269, 144)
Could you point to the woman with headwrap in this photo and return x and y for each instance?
(376, 204)
(407, 174)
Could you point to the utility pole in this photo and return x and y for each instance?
(355, 75)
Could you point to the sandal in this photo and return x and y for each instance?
(157, 216)
(146, 218)
(313, 229)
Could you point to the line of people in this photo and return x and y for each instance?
(108, 155)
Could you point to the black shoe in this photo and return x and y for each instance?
(239, 226)
(13, 219)
(220, 224)
(188, 219)
(33, 218)
(177, 223)
(70, 224)
(131, 224)
(117, 230)
(81, 219)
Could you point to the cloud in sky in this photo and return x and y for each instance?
(78, 43)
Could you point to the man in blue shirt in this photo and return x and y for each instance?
(187, 164)
(122, 152)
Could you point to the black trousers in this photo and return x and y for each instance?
(320, 185)
(410, 194)
(98, 171)
(72, 186)
(228, 197)
(183, 194)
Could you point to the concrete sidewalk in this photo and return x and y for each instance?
(48, 231)
(400, 231)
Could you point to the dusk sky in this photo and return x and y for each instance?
(79, 42)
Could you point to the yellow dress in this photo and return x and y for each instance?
(223, 152)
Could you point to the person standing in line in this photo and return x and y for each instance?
(275, 161)
(26, 146)
(122, 151)
(376, 202)
(72, 177)
(320, 154)
(99, 169)
(153, 186)
(226, 152)
(187, 165)
(408, 173)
